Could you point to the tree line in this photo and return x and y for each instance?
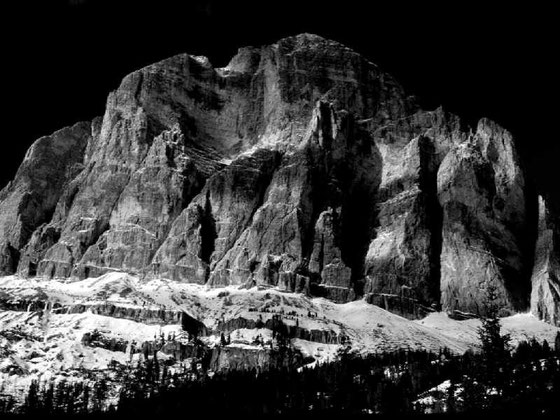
(499, 379)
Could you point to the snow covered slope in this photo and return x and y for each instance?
(44, 325)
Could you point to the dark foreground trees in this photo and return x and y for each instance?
(385, 384)
(495, 381)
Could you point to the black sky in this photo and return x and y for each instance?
(61, 58)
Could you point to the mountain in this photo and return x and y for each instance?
(300, 165)
(298, 190)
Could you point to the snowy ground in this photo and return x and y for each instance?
(520, 327)
(47, 344)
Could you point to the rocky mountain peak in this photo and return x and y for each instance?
(300, 166)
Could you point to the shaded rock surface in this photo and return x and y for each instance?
(154, 196)
(299, 165)
(30, 199)
(293, 331)
(213, 221)
(481, 188)
(545, 295)
(243, 358)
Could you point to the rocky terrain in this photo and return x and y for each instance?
(300, 168)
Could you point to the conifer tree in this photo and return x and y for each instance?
(48, 399)
(493, 342)
(495, 345)
(32, 403)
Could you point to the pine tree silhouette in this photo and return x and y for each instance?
(495, 349)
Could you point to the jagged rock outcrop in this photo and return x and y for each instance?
(299, 165)
(30, 199)
(156, 193)
(210, 225)
(8, 258)
(326, 258)
(399, 258)
(402, 264)
(98, 339)
(481, 188)
(42, 239)
(545, 295)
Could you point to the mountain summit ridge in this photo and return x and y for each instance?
(300, 165)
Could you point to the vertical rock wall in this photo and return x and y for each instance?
(299, 165)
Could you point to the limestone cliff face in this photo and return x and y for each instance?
(299, 165)
(545, 296)
(209, 227)
(481, 188)
(402, 264)
(30, 199)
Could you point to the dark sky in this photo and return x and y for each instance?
(61, 58)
